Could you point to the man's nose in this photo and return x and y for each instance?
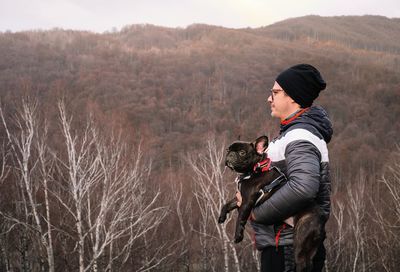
(269, 99)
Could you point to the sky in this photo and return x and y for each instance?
(107, 15)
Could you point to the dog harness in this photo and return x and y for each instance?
(263, 166)
(268, 188)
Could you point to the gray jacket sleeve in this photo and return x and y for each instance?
(303, 173)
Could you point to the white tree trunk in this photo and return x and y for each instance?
(211, 193)
(109, 194)
(22, 146)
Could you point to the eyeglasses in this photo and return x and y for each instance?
(274, 92)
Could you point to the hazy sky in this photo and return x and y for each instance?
(102, 15)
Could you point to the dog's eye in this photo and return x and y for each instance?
(242, 152)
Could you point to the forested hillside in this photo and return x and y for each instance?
(374, 33)
(169, 90)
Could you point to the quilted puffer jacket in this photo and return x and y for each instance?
(300, 151)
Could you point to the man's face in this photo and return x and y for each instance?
(281, 103)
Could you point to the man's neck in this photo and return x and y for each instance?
(293, 116)
(292, 113)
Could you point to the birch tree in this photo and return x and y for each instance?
(386, 216)
(30, 173)
(5, 226)
(108, 200)
(89, 192)
(181, 208)
(357, 212)
(211, 192)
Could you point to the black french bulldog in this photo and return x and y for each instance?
(256, 184)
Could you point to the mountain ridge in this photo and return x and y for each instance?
(182, 84)
(370, 32)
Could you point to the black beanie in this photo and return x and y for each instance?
(302, 83)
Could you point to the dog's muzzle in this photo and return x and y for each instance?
(229, 164)
(230, 160)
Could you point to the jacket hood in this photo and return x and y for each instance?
(315, 117)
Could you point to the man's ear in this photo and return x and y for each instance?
(261, 143)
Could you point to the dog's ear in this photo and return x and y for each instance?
(261, 143)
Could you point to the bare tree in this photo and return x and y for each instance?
(182, 209)
(357, 212)
(211, 192)
(337, 245)
(109, 201)
(97, 181)
(336, 242)
(386, 217)
(392, 184)
(5, 225)
(22, 146)
(4, 157)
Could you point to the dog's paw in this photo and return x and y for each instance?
(221, 219)
(238, 238)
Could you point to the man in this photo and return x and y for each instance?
(301, 153)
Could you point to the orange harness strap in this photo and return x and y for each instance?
(278, 235)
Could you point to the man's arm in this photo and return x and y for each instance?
(303, 173)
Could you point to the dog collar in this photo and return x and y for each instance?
(262, 166)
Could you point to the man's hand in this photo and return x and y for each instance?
(239, 198)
